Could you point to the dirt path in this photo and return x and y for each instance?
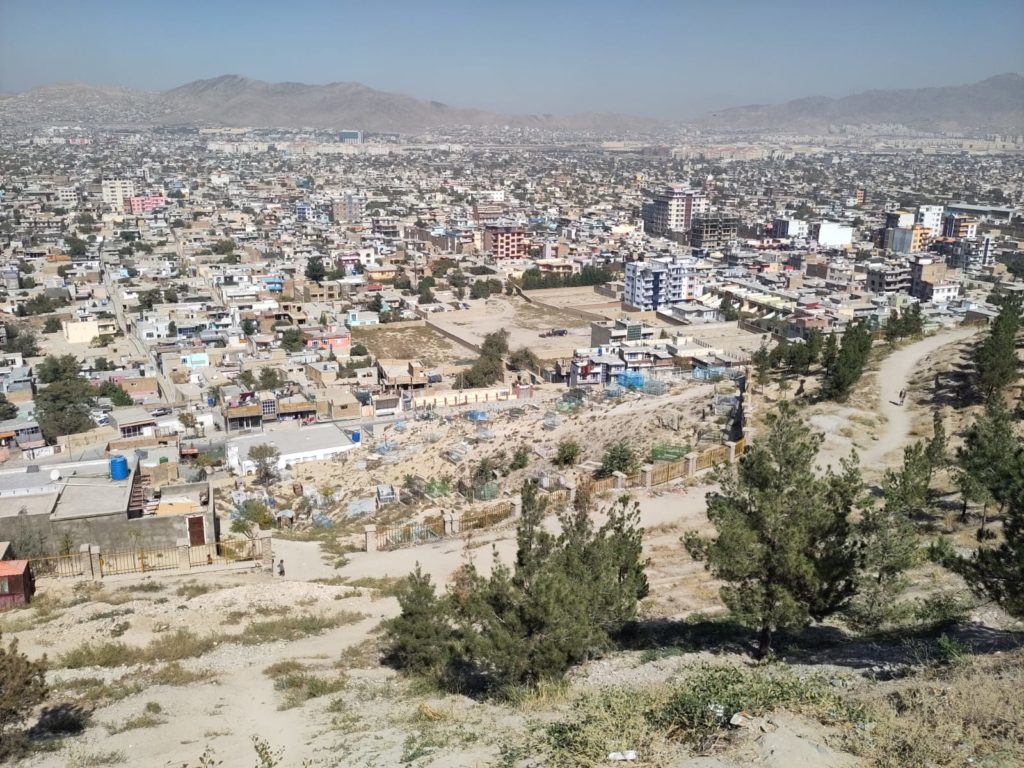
(893, 376)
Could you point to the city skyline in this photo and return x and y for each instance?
(573, 58)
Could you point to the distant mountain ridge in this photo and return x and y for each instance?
(995, 104)
(232, 100)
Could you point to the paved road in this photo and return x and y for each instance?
(894, 375)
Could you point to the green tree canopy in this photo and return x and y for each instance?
(783, 543)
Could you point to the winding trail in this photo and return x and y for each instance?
(894, 375)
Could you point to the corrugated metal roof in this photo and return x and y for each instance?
(12, 567)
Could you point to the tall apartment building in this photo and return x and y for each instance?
(505, 241)
(909, 239)
(114, 192)
(930, 216)
(672, 210)
(960, 227)
(714, 230)
(660, 282)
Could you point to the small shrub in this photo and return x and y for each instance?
(950, 650)
(153, 707)
(281, 668)
(145, 720)
(294, 627)
(191, 589)
(92, 759)
(299, 687)
(145, 586)
(177, 675)
(96, 655)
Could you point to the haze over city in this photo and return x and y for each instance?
(667, 60)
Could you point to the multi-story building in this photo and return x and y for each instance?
(114, 192)
(929, 281)
(661, 281)
(960, 227)
(672, 210)
(714, 230)
(910, 239)
(795, 228)
(930, 216)
(831, 234)
(143, 204)
(888, 278)
(505, 241)
(901, 218)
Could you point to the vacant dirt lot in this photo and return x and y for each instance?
(423, 344)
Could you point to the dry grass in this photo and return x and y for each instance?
(969, 713)
(300, 687)
(145, 720)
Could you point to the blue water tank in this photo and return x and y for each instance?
(356, 437)
(118, 468)
(211, 401)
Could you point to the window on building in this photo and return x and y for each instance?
(5, 586)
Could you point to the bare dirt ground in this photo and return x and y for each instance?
(524, 321)
(423, 344)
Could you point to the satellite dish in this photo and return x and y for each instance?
(55, 475)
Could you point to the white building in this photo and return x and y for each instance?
(931, 216)
(295, 446)
(794, 228)
(831, 234)
(673, 209)
(661, 281)
(114, 192)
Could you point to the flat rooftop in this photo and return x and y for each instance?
(83, 489)
(290, 441)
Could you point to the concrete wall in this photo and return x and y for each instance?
(109, 532)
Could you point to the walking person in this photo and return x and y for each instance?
(280, 568)
(903, 396)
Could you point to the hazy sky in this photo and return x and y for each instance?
(669, 58)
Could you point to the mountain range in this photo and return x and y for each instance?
(230, 100)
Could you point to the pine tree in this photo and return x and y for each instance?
(888, 547)
(783, 543)
(995, 360)
(420, 639)
(907, 487)
(987, 455)
(830, 354)
(937, 448)
(846, 371)
(22, 689)
(998, 573)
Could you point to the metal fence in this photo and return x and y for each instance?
(58, 566)
(406, 534)
(485, 518)
(138, 560)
